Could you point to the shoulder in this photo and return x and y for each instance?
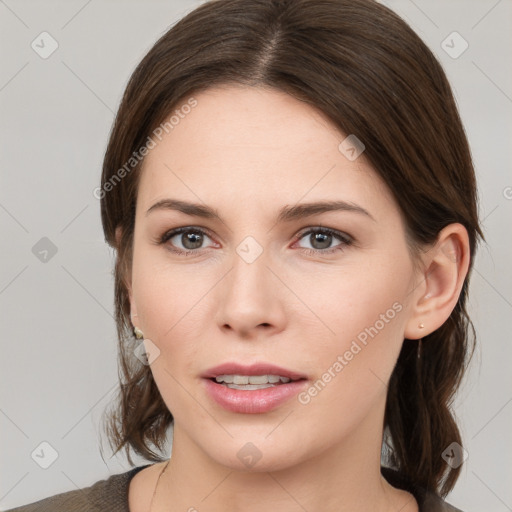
(109, 494)
(433, 503)
(427, 501)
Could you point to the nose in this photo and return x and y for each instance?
(251, 298)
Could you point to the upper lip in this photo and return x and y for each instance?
(231, 368)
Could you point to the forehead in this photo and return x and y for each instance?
(258, 144)
(236, 119)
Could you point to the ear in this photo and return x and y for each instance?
(127, 279)
(445, 266)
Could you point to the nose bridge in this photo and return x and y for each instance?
(248, 297)
(250, 273)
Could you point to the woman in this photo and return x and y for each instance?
(291, 197)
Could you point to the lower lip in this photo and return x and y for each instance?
(255, 401)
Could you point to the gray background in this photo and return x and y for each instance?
(58, 366)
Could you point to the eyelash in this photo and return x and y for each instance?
(345, 240)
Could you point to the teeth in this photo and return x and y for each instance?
(247, 380)
(249, 387)
(258, 379)
(228, 379)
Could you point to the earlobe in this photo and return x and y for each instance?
(446, 267)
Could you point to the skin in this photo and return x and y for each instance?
(247, 152)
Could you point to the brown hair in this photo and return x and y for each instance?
(365, 68)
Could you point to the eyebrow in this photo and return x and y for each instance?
(286, 214)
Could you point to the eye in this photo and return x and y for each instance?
(321, 239)
(190, 238)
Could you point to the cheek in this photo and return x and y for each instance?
(359, 302)
(368, 318)
(165, 300)
(168, 297)
(172, 302)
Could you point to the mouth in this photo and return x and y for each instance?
(251, 382)
(257, 388)
(258, 370)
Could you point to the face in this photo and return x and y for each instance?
(322, 294)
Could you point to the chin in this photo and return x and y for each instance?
(256, 456)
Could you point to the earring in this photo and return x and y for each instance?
(138, 333)
(421, 326)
